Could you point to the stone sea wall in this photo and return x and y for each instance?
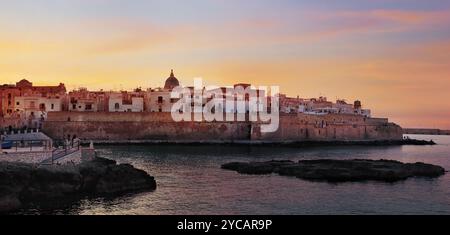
(333, 127)
(83, 155)
(39, 157)
(424, 131)
(129, 127)
(26, 157)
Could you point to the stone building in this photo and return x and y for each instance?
(34, 109)
(24, 104)
(159, 99)
(82, 100)
(291, 105)
(27, 88)
(8, 93)
(320, 106)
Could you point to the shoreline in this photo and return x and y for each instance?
(266, 143)
(25, 184)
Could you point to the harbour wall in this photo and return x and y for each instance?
(160, 127)
(423, 131)
(25, 157)
(38, 157)
(333, 127)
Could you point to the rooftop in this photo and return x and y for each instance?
(35, 136)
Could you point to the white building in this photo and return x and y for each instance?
(83, 105)
(83, 100)
(34, 109)
(125, 102)
(34, 104)
(159, 100)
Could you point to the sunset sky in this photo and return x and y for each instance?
(394, 55)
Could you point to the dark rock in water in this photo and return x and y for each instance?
(21, 183)
(340, 170)
(108, 178)
(257, 168)
(361, 143)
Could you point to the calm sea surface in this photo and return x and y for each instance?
(190, 181)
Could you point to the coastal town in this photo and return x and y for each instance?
(24, 105)
(48, 135)
(210, 116)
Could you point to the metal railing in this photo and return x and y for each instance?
(23, 146)
(60, 153)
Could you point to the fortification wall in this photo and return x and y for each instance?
(424, 131)
(335, 127)
(108, 117)
(123, 127)
(140, 126)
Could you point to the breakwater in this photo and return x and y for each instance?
(424, 131)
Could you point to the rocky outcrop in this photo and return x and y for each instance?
(340, 170)
(24, 183)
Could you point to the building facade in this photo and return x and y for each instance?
(126, 102)
(26, 105)
(29, 105)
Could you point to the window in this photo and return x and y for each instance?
(17, 103)
(42, 107)
(160, 99)
(88, 107)
(117, 106)
(160, 109)
(74, 106)
(53, 106)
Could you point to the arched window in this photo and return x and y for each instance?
(117, 106)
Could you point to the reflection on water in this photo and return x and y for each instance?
(190, 181)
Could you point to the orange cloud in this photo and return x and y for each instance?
(122, 35)
(408, 83)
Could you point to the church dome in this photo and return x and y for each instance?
(171, 82)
